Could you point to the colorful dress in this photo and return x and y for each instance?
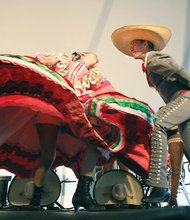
(51, 88)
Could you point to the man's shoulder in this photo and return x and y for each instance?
(157, 54)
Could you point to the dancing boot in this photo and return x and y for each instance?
(157, 195)
(82, 197)
(36, 199)
(173, 203)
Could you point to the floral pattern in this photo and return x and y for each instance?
(83, 80)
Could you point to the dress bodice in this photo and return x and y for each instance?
(85, 82)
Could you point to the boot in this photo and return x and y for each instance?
(82, 197)
(157, 195)
(173, 203)
(3, 190)
(36, 199)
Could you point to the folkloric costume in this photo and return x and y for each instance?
(173, 84)
(53, 88)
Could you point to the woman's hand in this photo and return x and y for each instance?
(89, 59)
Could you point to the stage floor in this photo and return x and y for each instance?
(179, 213)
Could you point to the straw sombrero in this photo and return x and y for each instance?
(118, 188)
(157, 35)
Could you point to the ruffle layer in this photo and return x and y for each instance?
(111, 120)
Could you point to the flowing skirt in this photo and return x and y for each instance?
(31, 93)
(125, 124)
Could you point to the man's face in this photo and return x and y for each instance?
(138, 49)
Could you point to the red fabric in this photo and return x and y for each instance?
(147, 78)
(22, 157)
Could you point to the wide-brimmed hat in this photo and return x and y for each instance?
(118, 187)
(21, 190)
(157, 35)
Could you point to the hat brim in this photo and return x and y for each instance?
(104, 185)
(20, 190)
(157, 35)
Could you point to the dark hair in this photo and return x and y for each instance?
(150, 45)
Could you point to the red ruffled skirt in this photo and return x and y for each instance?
(31, 93)
(125, 124)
